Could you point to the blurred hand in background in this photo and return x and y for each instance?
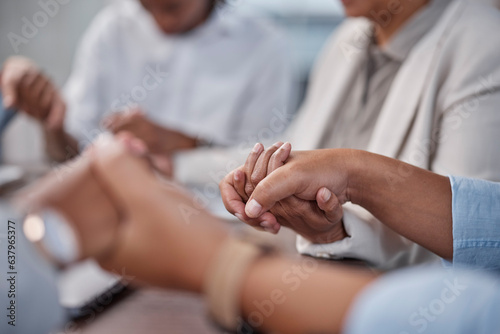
(161, 142)
(26, 88)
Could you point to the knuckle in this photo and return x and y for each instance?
(253, 155)
(300, 208)
(331, 208)
(225, 181)
(334, 203)
(270, 151)
(275, 159)
(255, 178)
(249, 189)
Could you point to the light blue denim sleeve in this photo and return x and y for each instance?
(5, 117)
(476, 223)
(428, 300)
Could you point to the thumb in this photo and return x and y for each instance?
(276, 186)
(330, 205)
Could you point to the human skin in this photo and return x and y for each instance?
(158, 139)
(159, 245)
(95, 228)
(413, 202)
(387, 15)
(319, 220)
(26, 88)
(330, 225)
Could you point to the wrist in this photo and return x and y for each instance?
(56, 128)
(53, 131)
(225, 281)
(356, 174)
(336, 233)
(60, 146)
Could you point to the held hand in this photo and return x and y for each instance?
(159, 140)
(235, 192)
(160, 236)
(26, 88)
(166, 240)
(303, 176)
(79, 199)
(318, 219)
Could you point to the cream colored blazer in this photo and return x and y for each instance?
(442, 114)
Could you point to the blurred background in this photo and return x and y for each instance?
(307, 24)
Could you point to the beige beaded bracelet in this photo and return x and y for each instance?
(224, 281)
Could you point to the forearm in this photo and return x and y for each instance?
(285, 296)
(60, 146)
(413, 202)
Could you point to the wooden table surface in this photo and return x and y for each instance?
(152, 311)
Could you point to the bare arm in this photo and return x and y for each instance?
(414, 202)
(292, 297)
(60, 146)
(161, 230)
(157, 138)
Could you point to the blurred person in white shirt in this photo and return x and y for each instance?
(179, 74)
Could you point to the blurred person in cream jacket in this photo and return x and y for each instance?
(439, 111)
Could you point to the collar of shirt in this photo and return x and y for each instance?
(414, 29)
(218, 22)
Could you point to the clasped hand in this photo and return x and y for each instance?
(126, 219)
(278, 188)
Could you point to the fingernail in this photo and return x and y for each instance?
(278, 144)
(239, 216)
(253, 209)
(326, 195)
(285, 146)
(257, 148)
(265, 224)
(236, 176)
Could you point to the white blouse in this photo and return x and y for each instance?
(219, 83)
